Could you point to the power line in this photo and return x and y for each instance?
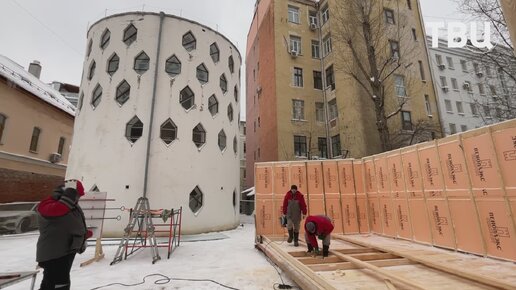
(48, 28)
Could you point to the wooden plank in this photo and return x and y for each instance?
(342, 251)
(436, 264)
(350, 266)
(374, 256)
(312, 261)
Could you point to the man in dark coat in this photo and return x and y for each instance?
(293, 205)
(63, 233)
(318, 226)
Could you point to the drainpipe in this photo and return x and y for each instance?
(151, 121)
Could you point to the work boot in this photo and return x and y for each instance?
(290, 235)
(310, 248)
(325, 250)
(296, 239)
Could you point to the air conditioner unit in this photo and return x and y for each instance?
(466, 86)
(313, 26)
(294, 53)
(445, 88)
(480, 74)
(441, 66)
(54, 157)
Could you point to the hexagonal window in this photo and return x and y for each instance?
(214, 52)
(234, 198)
(189, 41)
(222, 140)
(168, 131)
(91, 72)
(173, 66)
(230, 113)
(122, 92)
(231, 64)
(104, 39)
(141, 63)
(96, 96)
(223, 84)
(235, 92)
(130, 34)
(235, 147)
(134, 129)
(186, 98)
(213, 105)
(199, 135)
(88, 50)
(113, 63)
(79, 103)
(195, 200)
(202, 73)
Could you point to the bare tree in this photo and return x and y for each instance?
(378, 53)
(420, 131)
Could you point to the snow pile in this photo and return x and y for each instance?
(233, 262)
(15, 73)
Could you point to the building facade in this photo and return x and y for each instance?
(36, 125)
(300, 102)
(242, 153)
(158, 116)
(509, 12)
(70, 92)
(473, 91)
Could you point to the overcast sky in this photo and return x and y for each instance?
(54, 31)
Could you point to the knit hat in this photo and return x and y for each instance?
(310, 227)
(75, 184)
(293, 186)
(69, 197)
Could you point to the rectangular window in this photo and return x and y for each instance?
(318, 80)
(488, 71)
(60, 147)
(333, 110)
(406, 120)
(463, 128)
(319, 112)
(399, 82)
(35, 139)
(395, 49)
(464, 65)
(444, 82)
(422, 71)
(335, 145)
(474, 110)
(492, 89)
(293, 14)
(298, 77)
(499, 114)
(414, 34)
(327, 45)
(449, 60)
(476, 68)
(439, 59)
(295, 44)
(322, 145)
(428, 106)
(487, 111)
(298, 109)
(312, 17)
(460, 109)
(453, 128)
(448, 105)
(325, 14)
(330, 78)
(245, 148)
(316, 49)
(481, 89)
(389, 16)
(300, 145)
(3, 120)
(455, 84)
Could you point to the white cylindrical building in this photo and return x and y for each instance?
(193, 74)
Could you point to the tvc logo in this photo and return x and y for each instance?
(458, 34)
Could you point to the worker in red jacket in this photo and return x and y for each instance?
(318, 226)
(293, 206)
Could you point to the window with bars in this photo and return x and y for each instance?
(214, 52)
(202, 73)
(173, 66)
(122, 92)
(213, 105)
(130, 34)
(300, 146)
(34, 140)
(189, 41)
(199, 135)
(298, 109)
(141, 63)
(104, 39)
(134, 129)
(168, 131)
(195, 200)
(187, 98)
(297, 80)
(113, 63)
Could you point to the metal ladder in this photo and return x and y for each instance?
(141, 211)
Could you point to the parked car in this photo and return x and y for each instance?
(18, 217)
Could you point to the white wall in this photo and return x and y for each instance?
(102, 155)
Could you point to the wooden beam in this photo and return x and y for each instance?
(432, 264)
(313, 261)
(374, 256)
(351, 266)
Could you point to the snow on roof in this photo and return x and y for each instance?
(17, 74)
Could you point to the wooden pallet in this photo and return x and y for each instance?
(375, 262)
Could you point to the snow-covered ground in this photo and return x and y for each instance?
(232, 261)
